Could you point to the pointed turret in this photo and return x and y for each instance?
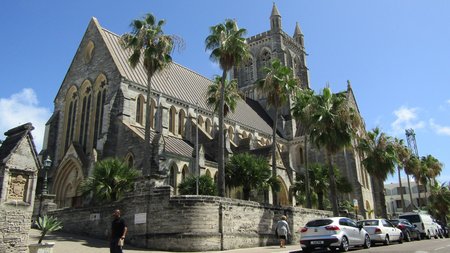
(298, 35)
(275, 19)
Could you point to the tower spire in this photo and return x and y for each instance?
(298, 35)
(275, 18)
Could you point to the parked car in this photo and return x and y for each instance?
(410, 232)
(439, 230)
(336, 233)
(381, 230)
(423, 222)
(444, 228)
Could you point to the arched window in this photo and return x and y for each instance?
(100, 99)
(140, 109)
(200, 121)
(208, 126)
(231, 133)
(265, 58)
(184, 172)
(85, 114)
(248, 71)
(244, 134)
(172, 113)
(208, 173)
(181, 119)
(88, 50)
(173, 177)
(70, 115)
(152, 114)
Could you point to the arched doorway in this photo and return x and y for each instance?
(283, 194)
(67, 182)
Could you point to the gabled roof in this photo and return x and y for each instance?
(172, 145)
(13, 139)
(178, 82)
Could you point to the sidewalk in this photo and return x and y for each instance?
(69, 243)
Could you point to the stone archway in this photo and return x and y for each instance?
(283, 194)
(67, 182)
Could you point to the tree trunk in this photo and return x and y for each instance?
(307, 191)
(246, 193)
(147, 147)
(401, 187)
(274, 159)
(332, 181)
(418, 192)
(221, 158)
(382, 198)
(410, 193)
(320, 201)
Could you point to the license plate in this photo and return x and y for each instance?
(316, 242)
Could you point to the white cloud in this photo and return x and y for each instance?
(406, 118)
(21, 108)
(442, 130)
(448, 101)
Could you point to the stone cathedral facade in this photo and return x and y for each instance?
(99, 112)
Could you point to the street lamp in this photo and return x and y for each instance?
(47, 164)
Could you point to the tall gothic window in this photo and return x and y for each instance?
(181, 118)
(172, 113)
(231, 133)
(99, 110)
(85, 117)
(248, 71)
(208, 126)
(70, 115)
(265, 58)
(152, 114)
(140, 109)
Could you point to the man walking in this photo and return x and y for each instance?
(118, 232)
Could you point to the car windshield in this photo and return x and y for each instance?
(369, 222)
(394, 222)
(319, 223)
(412, 218)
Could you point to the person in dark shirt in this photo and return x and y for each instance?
(118, 231)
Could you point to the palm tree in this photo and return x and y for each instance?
(319, 182)
(228, 48)
(430, 169)
(110, 179)
(440, 201)
(301, 110)
(379, 161)
(403, 154)
(231, 97)
(149, 44)
(206, 186)
(411, 166)
(250, 172)
(277, 86)
(334, 124)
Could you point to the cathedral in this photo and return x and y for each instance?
(99, 112)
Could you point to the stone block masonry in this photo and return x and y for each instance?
(187, 223)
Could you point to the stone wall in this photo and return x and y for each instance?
(187, 223)
(15, 222)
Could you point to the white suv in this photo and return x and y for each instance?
(337, 233)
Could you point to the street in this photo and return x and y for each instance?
(423, 246)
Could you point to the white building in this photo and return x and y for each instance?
(393, 193)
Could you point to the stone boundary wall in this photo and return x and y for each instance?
(157, 220)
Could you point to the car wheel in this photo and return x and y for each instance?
(419, 237)
(407, 236)
(400, 239)
(367, 242)
(386, 240)
(344, 245)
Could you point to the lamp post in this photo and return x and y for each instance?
(47, 164)
(197, 167)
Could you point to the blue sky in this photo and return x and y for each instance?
(395, 53)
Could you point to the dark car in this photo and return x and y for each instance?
(409, 231)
